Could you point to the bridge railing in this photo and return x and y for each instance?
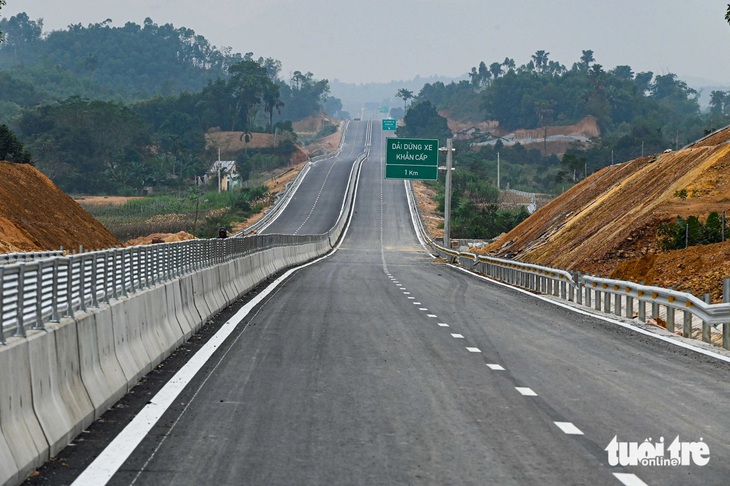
(44, 290)
(660, 306)
(47, 286)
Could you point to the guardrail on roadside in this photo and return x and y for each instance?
(42, 290)
(283, 198)
(9, 258)
(700, 319)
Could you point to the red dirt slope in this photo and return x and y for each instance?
(35, 215)
(607, 224)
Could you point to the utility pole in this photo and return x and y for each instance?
(497, 171)
(219, 169)
(447, 195)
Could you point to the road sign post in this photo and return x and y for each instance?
(411, 158)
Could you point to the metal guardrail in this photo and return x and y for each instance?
(700, 319)
(9, 258)
(42, 289)
(285, 196)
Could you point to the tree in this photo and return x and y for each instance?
(405, 95)
(11, 149)
(540, 58)
(2, 4)
(249, 83)
(727, 14)
(423, 121)
(586, 59)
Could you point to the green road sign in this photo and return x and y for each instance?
(411, 158)
(384, 109)
(389, 124)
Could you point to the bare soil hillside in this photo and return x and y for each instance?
(35, 215)
(607, 224)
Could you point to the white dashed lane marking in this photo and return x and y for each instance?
(569, 428)
(457, 336)
(495, 367)
(629, 479)
(443, 324)
(526, 391)
(473, 350)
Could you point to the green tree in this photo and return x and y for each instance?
(11, 149)
(423, 121)
(2, 4)
(405, 95)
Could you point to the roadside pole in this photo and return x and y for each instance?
(447, 193)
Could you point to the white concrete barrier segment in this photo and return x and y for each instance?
(20, 426)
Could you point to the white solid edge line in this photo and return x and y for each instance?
(629, 479)
(675, 342)
(569, 428)
(113, 456)
(118, 451)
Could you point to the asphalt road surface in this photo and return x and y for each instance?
(316, 204)
(381, 366)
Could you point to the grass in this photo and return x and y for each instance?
(198, 214)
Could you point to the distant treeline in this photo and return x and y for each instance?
(112, 110)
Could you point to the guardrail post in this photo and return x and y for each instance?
(670, 319)
(69, 287)
(578, 279)
(54, 292)
(597, 295)
(607, 302)
(705, 325)
(20, 330)
(82, 282)
(617, 305)
(94, 279)
(38, 324)
(687, 328)
(587, 289)
(629, 307)
(726, 326)
(642, 310)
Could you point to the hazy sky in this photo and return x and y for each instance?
(376, 40)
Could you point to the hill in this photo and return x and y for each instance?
(35, 215)
(607, 224)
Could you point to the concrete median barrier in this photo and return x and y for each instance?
(83, 365)
(101, 372)
(20, 426)
(128, 342)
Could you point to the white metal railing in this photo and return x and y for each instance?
(44, 290)
(47, 286)
(700, 319)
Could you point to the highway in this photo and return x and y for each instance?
(379, 365)
(317, 202)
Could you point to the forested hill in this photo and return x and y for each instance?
(101, 61)
(121, 110)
